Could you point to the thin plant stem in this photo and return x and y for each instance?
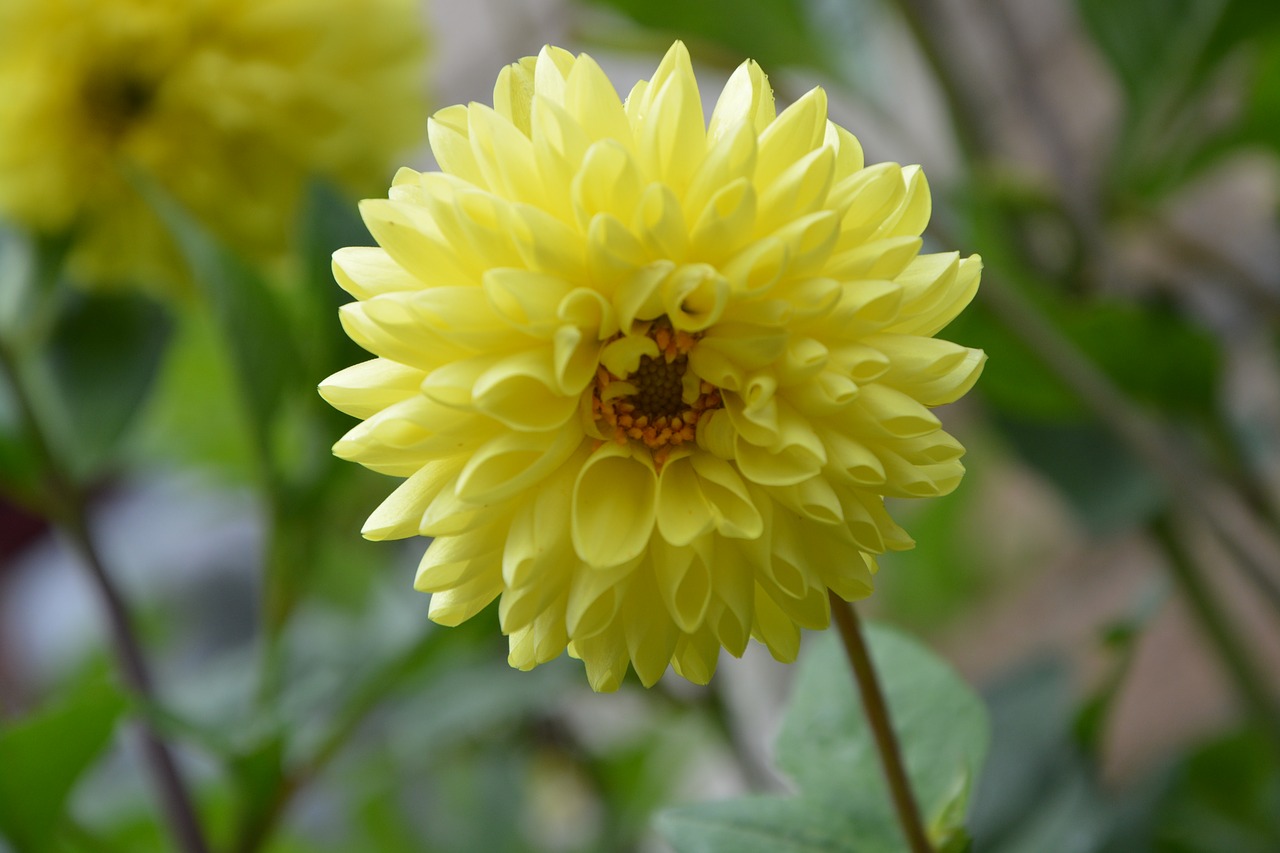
(873, 703)
(67, 507)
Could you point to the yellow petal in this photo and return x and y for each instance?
(800, 190)
(721, 228)
(613, 506)
(933, 371)
(456, 605)
(796, 131)
(747, 99)
(622, 357)
(503, 154)
(892, 413)
(410, 237)
(775, 629)
(734, 511)
(513, 93)
(683, 580)
(671, 137)
(527, 300)
(365, 271)
(607, 182)
(591, 99)
(447, 134)
(694, 296)
(651, 639)
(366, 388)
(400, 514)
(550, 72)
(935, 289)
(683, 513)
(514, 461)
(696, 656)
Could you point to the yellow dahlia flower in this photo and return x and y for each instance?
(230, 105)
(650, 379)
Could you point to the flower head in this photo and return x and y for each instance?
(229, 105)
(650, 379)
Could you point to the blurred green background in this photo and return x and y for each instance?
(1107, 577)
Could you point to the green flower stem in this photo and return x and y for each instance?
(67, 506)
(873, 703)
(1249, 680)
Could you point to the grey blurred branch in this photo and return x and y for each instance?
(68, 508)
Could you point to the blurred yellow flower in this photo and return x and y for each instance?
(649, 379)
(230, 105)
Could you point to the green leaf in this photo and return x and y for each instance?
(1153, 354)
(1144, 39)
(194, 417)
(248, 311)
(826, 746)
(41, 758)
(1175, 60)
(19, 462)
(258, 772)
(947, 570)
(1106, 486)
(773, 825)
(104, 354)
(329, 221)
(1261, 119)
(1224, 796)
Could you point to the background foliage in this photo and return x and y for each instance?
(1108, 578)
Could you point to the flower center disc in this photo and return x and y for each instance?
(656, 404)
(659, 386)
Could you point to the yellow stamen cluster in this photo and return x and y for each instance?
(658, 412)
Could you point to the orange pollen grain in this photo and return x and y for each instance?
(656, 415)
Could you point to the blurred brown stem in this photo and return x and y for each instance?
(68, 508)
(1172, 533)
(873, 703)
(1190, 483)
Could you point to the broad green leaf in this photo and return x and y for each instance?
(827, 748)
(259, 776)
(1175, 60)
(1224, 796)
(19, 465)
(329, 221)
(41, 758)
(1103, 482)
(104, 354)
(1153, 354)
(773, 825)
(1037, 793)
(947, 570)
(195, 417)
(248, 312)
(1030, 721)
(1144, 39)
(1261, 119)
